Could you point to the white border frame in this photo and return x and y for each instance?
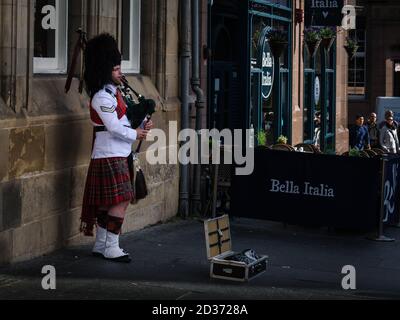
(133, 64)
(57, 65)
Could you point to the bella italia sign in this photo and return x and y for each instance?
(266, 61)
(323, 12)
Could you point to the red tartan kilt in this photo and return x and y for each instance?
(108, 182)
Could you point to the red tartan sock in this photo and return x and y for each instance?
(114, 224)
(102, 219)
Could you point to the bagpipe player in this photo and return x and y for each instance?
(108, 188)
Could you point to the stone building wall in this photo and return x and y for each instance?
(342, 132)
(45, 134)
(297, 81)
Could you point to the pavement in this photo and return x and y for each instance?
(170, 263)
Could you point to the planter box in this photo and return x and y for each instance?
(313, 190)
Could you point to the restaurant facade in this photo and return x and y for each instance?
(248, 89)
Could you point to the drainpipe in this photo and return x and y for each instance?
(185, 117)
(199, 104)
(160, 65)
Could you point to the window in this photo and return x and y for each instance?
(319, 113)
(285, 3)
(50, 36)
(276, 111)
(130, 37)
(357, 66)
(282, 3)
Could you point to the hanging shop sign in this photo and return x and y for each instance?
(317, 90)
(266, 61)
(323, 12)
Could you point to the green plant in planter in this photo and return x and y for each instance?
(328, 36)
(278, 41)
(327, 32)
(282, 140)
(262, 138)
(312, 39)
(311, 35)
(354, 153)
(351, 47)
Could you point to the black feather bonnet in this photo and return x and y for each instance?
(101, 56)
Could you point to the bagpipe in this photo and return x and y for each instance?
(137, 112)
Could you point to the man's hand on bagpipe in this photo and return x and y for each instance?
(139, 111)
(148, 125)
(141, 134)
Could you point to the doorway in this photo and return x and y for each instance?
(226, 94)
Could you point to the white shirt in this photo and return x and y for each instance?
(389, 140)
(118, 139)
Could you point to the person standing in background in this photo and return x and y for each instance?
(373, 131)
(317, 130)
(389, 139)
(359, 136)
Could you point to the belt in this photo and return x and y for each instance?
(104, 129)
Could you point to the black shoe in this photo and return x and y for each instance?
(123, 259)
(97, 255)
